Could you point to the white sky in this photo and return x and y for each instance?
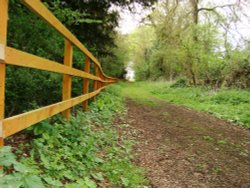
(129, 21)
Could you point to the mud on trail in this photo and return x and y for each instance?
(179, 147)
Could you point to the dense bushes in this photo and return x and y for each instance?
(182, 82)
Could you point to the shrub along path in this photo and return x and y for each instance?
(179, 147)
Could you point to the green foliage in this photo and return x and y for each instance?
(139, 44)
(238, 69)
(92, 22)
(208, 138)
(79, 153)
(37, 37)
(230, 104)
(25, 87)
(68, 16)
(182, 82)
(86, 182)
(115, 64)
(44, 126)
(22, 175)
(173, 45)
(7, 158)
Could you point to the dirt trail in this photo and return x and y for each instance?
(182, 148)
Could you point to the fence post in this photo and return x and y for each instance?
(99, 76)
(95, 81)
(3, 42)
(67, 79)
(102, 83)
(86, 83)
(105, 79)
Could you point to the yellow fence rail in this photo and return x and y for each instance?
(11, 56)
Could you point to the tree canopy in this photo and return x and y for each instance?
(195, 40)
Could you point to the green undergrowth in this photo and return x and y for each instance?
(85, 152)
(229, 104)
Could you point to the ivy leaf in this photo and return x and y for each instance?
(98, 176)
(10, 181)
(21, 168)
(33, 182)
(125, 181)
(44, 160)
(53, 182)
(88, 183)
(68, 175)
(6, 157)
(14, 184)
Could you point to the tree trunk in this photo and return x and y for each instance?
(194, 4)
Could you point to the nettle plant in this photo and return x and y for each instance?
(17, 174)
(81, 152)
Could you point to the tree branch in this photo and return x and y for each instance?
(213, 8)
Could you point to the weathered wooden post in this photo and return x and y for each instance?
(67, 79)
(86, 83)
(3, 42)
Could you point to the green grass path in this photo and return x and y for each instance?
(229, 104)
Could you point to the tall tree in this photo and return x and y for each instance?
(189, 40)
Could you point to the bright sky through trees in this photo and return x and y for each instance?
(131, 20)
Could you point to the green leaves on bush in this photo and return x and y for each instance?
(76, 153)
(6, 157)
(21, 176)
(182, 82)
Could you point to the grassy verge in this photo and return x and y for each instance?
(85, 152)
(229, 104)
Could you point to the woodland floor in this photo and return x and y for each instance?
(179, 147)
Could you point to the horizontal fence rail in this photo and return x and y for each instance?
(11, 56)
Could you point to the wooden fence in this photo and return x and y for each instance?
(11, 56)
